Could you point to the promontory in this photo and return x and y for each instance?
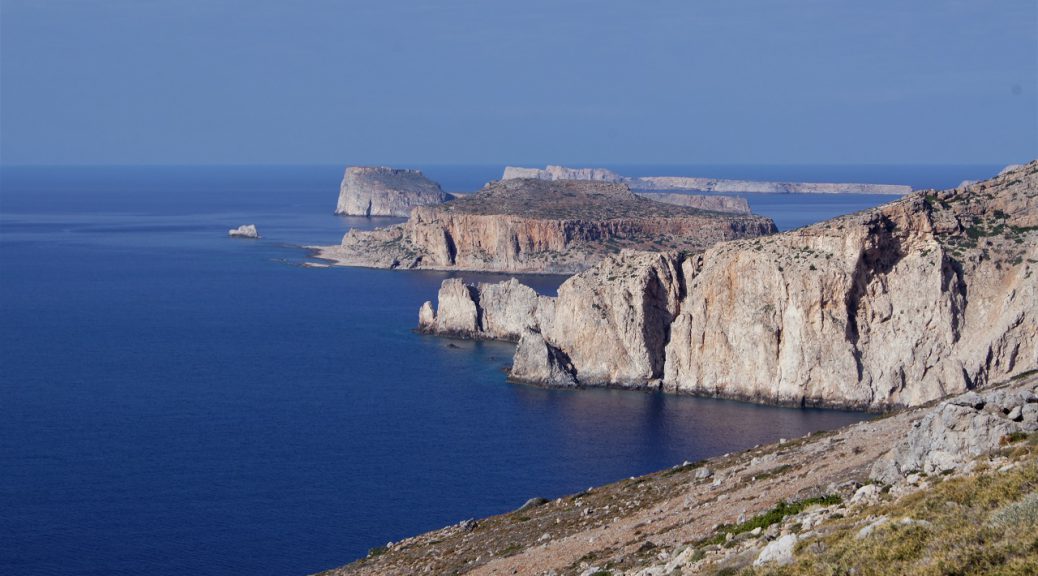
(532, 225)
(929, 295)
(383, 191)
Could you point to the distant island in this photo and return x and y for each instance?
(701, 184)
(384, 191)
(531, 225)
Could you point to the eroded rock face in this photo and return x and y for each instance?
(613, 321)
(540, 226)
(382, 191)
(536, 361)
(924, 297)
(501, 311)
(958, 430)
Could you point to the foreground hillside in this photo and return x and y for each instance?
(898, 305)
(539, 226)
(944, 489)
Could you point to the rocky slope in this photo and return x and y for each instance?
(926, 296)
(712, 202)
(539, 226)
(947, 488)
(702, 184)
(382, 191)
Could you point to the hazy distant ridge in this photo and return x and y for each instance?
(693, 184)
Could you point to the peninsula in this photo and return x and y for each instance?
(538, 226)
(690, 184)
(926, 296)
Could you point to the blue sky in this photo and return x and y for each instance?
(530, 82)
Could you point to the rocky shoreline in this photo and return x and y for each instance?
(533, 226)
(829, 499)
(895, 306)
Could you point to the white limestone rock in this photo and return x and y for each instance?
(244, 231)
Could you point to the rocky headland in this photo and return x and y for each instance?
(702, 184)
(948, 488)
(383, 191)
(531, 225)
(926, 296)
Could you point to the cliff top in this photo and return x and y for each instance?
(567, 200)
(381, 170)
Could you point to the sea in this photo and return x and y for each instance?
(174, 401)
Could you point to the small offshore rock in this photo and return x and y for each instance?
(244, 231)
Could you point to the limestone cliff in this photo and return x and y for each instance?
(898, 305)
(540, 226)
(382, 191)
(703, 184)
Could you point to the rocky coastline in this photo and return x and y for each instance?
(895, 306)
(535, 226)
(949, 482)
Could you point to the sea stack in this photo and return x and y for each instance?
(384, 191)
(244, 231)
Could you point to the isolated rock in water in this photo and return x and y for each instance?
(383, 191)
(954, 433)
(246, 231)
(535, 361)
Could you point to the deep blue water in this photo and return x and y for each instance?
(173, 401)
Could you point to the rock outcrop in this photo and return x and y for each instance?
(244, 231)
(539, 226)
(703, 184)
(927, 296)
(958, 430)
(502, 311)
(382, 191)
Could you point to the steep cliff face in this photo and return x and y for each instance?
(540, 226)
(382, 191)
(898, 305)
(501, 311)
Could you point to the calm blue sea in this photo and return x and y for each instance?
(173, 401)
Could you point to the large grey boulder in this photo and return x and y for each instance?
(957, 431)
